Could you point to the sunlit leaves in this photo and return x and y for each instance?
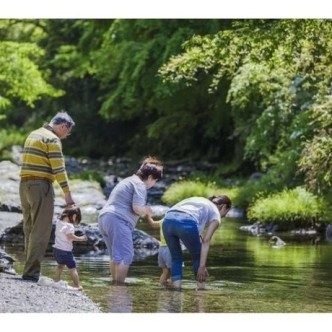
(280, 73)
(296, 205)
(20, 76)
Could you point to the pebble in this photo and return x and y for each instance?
(19, 296)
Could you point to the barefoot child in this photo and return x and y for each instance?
(64, 237)
(164, 255)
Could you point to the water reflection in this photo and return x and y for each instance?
(247, 275)
(170, 301)
(119, 299)
(199, 302)
(128, 298)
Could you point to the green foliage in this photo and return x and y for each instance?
(315, 160)
(248, 192)
(20, 77)
(280, 77)
(90, 176)
(68, 59)
(249, 94)
(22, 30)
(8, 138)
(185, 189)
(123, 57)
(289, 206)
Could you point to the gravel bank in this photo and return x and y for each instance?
(18, 296)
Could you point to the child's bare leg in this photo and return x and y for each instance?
(177, 284)
(58, 272)
(164, 276)
(75, 278)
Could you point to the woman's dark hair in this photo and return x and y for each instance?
(69, 212)
(221, 200)
(150, 166)
(152, 160)
(150, 169)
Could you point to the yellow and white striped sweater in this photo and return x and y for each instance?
(42, 157)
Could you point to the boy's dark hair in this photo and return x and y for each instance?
(69, 212)
(221, 200)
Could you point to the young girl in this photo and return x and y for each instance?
(63, 246)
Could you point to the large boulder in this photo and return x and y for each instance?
(6, 263)
(9, 190)
(88, 194)
(94, 245)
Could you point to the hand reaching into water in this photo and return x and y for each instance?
(202, 274)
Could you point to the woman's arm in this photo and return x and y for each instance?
(202, 272)
(155, 224)
(142, 210)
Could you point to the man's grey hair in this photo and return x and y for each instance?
(62, 117)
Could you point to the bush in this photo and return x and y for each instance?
(296, 206)
(8, 138)
(90, 176)
(184, 189)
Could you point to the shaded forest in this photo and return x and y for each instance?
(247, 95)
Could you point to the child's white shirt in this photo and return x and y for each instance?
(61, 230)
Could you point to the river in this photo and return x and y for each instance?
(246, 275)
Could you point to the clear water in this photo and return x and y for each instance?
(247, 275)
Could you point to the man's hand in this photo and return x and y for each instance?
(69, 200)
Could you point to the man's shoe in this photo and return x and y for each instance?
(30, 278)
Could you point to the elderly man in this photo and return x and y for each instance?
(43, 163)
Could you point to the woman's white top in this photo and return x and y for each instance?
(201, 209)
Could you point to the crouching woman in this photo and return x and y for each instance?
(185, 221)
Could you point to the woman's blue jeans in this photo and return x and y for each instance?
(181, 226)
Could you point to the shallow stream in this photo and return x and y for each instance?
(247, 275)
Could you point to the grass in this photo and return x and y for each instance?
(294, 206)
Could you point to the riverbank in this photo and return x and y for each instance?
(18, 296)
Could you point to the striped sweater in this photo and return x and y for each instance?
(42, 157)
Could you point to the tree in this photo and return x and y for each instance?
(123, 57)
(21, 79)
(280, 83)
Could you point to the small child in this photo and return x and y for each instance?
(63, 246)
(164, 255)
